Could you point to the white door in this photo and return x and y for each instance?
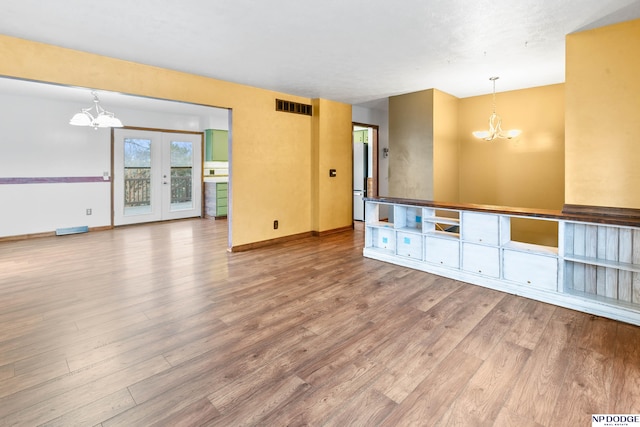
(157, 176)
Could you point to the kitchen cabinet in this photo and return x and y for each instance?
(221, 198)
(361, 136)
(216, 145)
(216, 196)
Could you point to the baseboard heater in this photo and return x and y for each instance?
(72, 230)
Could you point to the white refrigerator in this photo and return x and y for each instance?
(360, 168)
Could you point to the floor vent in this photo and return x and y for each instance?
(293, 107)
(71, 230)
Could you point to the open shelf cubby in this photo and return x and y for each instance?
(602, 261)
(408, 218)
(441, 222)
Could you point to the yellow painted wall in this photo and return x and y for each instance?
(332, 149)
(271, 151)
(423, 144)
(411, 145)
(527, 171)
(603, 116)
(271, 173)
(446, 182)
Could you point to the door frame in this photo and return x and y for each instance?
(161, 131)
(374, 147)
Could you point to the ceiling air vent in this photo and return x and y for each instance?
(293, 107)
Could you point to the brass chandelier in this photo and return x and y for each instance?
(495, 123)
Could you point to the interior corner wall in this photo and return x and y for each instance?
(603, 116)
(446, 169)
(411, 145)
(331, 149)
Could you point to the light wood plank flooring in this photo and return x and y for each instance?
(159, 325)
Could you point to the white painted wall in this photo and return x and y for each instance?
(37, 208)
(36, 140)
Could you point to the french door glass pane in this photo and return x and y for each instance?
(181, 175)
(137, 176)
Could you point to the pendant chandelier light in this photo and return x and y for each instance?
(100, 118)
(495, 123)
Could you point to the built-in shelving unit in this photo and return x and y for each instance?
(602, 260)
(594, 267)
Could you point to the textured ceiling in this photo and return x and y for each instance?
(353, 51)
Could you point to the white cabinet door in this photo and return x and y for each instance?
(442, 251)
(481, 259)
(531, 269)
(480, 228)
(409, 245)
(384, 238)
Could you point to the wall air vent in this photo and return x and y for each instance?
(293, 107)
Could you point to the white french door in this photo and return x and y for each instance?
(157, 176)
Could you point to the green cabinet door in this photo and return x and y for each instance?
(221, 198)
(361, 136)
(216, 145)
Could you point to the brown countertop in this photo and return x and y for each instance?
(596, 214)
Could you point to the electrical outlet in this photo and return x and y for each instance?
(275, 224)
(89, 211)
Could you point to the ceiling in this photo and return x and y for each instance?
(352, 51)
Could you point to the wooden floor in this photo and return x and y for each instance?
(159, 325)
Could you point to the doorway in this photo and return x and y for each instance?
(365, 167)
(157, 175)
